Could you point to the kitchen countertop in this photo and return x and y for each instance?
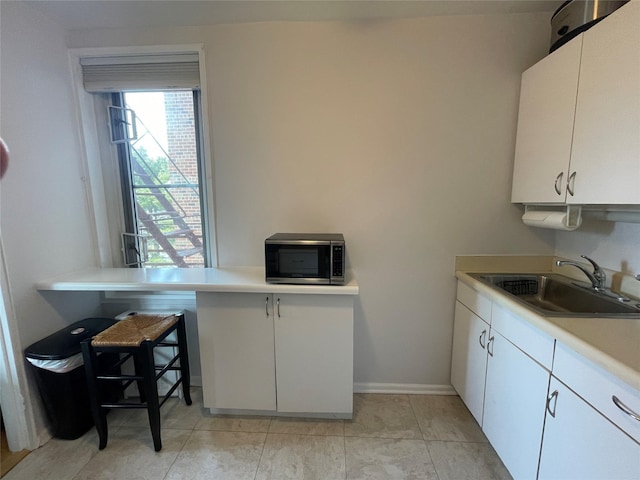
(611, 343)
(228, 279)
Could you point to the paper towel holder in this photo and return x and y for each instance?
(558, 217)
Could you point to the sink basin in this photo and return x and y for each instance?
(556, 295)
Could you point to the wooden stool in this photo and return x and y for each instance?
(136, 336)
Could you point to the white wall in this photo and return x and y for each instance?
(400, 134)
(44, 221)
(397, 134)
(612, 245)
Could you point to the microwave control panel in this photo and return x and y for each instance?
(338, 254)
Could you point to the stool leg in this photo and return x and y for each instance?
(138, 365)
(184, 361)
(95, 395)
(151, 392)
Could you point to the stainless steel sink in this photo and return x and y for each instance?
(556, 295)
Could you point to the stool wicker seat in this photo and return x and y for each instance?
(136, 337)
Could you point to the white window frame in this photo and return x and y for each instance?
(106, 249)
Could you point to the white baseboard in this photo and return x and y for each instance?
(404, 388)
(273, 413)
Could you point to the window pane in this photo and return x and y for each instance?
(164, 177)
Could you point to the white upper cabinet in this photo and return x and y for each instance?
(545, 127)
(578, 138)
(606, 140)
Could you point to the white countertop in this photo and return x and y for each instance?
(229, 279)
(611, 343)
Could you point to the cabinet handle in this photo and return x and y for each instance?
(490, 346)
(559, 183)
(570, 183)
(624, 408)
(482, 339)
(278, 303)
(554, 397)
(266, 307)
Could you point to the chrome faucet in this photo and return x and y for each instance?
(598, 278)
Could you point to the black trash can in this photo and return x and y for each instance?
(59, 371)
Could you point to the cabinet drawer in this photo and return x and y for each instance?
(526, 337)
(475, 302)
(597, 387)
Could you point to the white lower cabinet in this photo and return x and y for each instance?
(236, 350)
(585, 429)
(612, 397)
(515, 399)
(314, 353)
(504, 388)
(581, 444)
(290, 353)
(469, 359)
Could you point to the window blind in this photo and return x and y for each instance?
(141, 72)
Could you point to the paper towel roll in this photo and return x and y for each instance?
(549, 219)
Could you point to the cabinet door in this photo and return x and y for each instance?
(235, 332)
(314, 353)
(579, 443)
(545, 126)
(515, 400)
(606, 145)
(469, 359)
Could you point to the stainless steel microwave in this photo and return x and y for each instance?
(305, 258)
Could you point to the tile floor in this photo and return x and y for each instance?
(390, 437)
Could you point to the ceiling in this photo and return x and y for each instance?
(90, 14)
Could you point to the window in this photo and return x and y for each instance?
(158, 150)
(154, 123)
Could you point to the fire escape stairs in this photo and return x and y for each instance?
(171, 210)
(168, 225)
